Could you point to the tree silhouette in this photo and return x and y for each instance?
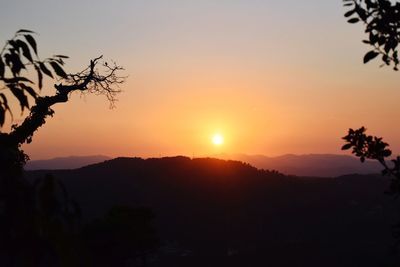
(16, 62)
(382, 24)
(35, 219)
(371, 147)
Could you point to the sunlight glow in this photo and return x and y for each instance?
(218, 139)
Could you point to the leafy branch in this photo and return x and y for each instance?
(371, 147)
(382, 24)
(16, 57)
(19, 57)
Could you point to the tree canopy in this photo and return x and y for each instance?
(382, 25)
(17, 56)
(381, 19)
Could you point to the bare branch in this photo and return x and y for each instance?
(92, 80)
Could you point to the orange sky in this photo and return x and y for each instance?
(272, 78)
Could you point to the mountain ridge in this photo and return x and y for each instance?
(68, 162)
(319, 165)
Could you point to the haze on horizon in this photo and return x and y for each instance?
(272, 77)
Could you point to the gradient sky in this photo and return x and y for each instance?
(273, 77)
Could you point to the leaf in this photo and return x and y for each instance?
(25, 31)
(59, 60)
(25, 50)
(32, 42)
(61, 56)
(40, 76)
(381, 40)
(373, 38)
(5, 104)
(29, 89)
(7, 58)
(19, 94)
(58, 70)
(45, 69)
(17, 79)
(387, 47)
(349, 13)
(16, 64)
(370, 55)
(353, 20)
(2, 68)
(362, 13)
(14, 44)
(346, 146)
(395, 56)
(2, 116)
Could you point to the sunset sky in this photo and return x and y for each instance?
(272, 77)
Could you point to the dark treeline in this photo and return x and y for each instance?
(210, 212)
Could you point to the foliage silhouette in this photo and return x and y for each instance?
(382, 24)
(371, 147)
(16, 62)
(39, 220)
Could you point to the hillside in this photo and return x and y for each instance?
(213, 212)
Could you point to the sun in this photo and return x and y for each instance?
(217, 139)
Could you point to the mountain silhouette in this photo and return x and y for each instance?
(212, 212)
(71, 162)
(321, 165)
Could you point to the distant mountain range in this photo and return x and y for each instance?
(321, 165)
(212, 212)
(71, 162)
